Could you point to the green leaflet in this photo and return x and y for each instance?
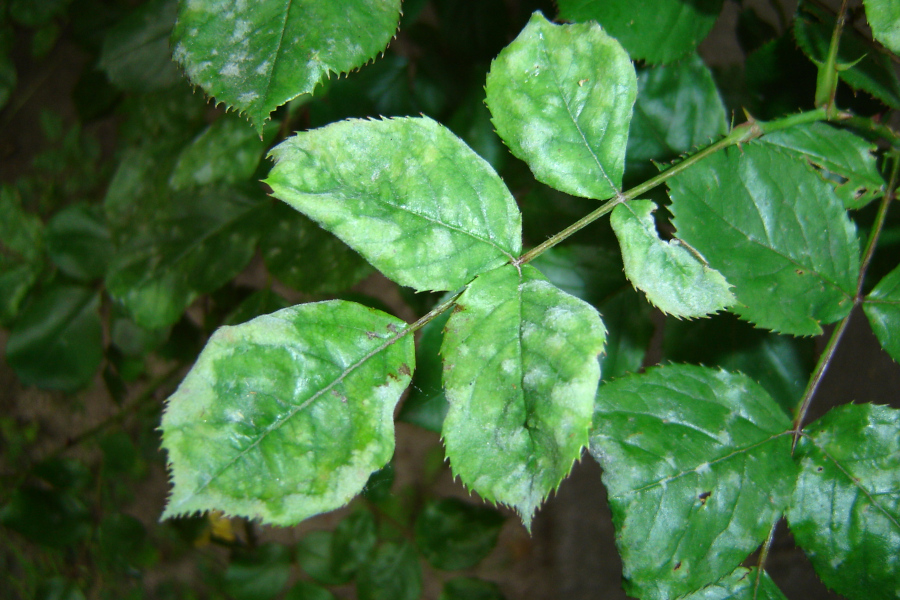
(884, 18)
(520, 373)
(845, 513)
(740, 584)
(393, 573)
(285, 416)
(873, 74)
(470, 588)
(676, 280)
(882, 307)
(225, 152)
(258, 574)
(79, 242)
(194, 248)
(257, 55)
(21, 252)
(452, 534)
(775, 230)
(561, 98)
(835, 152)
(698, 468)
(57, 341)
(135, 54)
(658, 32)
(431, 219)
(678, 108)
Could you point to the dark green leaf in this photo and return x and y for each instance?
(260, 574)
(303, 590)
(591, 273)
(472, 123)
(882, 307)
(561, 98)
(353, 542)
(658, 32)
(698, 468)
(57, 588)
(675, 279)
(779, 78)
(226, 152)
(780, 364)
(378, 487)
(520, 374)
(57, 342)
(407, 194)
(884, 18)
(34, 13)
(470, 588)
(260, 302)
(79, 242)
(775, 230)
(628, 338)
(393, 574)
(255, 56)
(426, 404)
(124, 543)
(740, 584)
(135, 54)
(48, 517)
(139, 190)
(286, 416)
(305, 257)
(836, 152)
(21, 253)
(678, 108)
(8, 78)
(874, 74)
(846, 508)
(452, 534)
(204, 241)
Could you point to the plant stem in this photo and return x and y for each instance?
(763, 556)
(827, 78)
(879, 223)
(745, 132)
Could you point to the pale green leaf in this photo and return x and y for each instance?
(675, 279)
(678, 108)
(286, 416)
(846, 508)
(873, 74)
(405, 193)
(882, 307)
(658, 32)
(884, 18)
(740, 584)
(193, 248)
(520, 373)
(255, 56)
(836, 152)
(57, 341)
(561, 98)
(227, 151)
(697, 465)
(775, 230)
(135, 54)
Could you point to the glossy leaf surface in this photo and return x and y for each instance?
(884, 18)
(520, 373)
(678, 108)
(676, 280)
(845, 513)
(835, 152)
(255, 56)
(882, 307)
(775, 230)
(561, 98)
(432, 219)
(57, 341)
(227, 151)
(135, 54)
(286, 416)
(658, 32)
(191, 249)
(740, 584)
(452, 534)
(698, 468)
(79, 242)
(393, 574)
